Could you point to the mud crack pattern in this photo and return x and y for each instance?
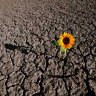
(30, 65)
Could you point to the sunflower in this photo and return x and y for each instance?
(66, 40)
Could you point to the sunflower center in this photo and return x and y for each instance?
(66, 40)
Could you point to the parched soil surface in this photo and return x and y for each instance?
(30, 65)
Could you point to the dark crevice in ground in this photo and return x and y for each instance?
(40, 82)
(7, 92)
(25, 76)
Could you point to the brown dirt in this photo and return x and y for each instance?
(30, 65)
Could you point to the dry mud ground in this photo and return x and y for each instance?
(30, 65)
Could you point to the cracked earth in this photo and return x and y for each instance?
(30, 65)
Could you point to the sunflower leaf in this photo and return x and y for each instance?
(54, 43)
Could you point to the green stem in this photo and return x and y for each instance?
(65, 52)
